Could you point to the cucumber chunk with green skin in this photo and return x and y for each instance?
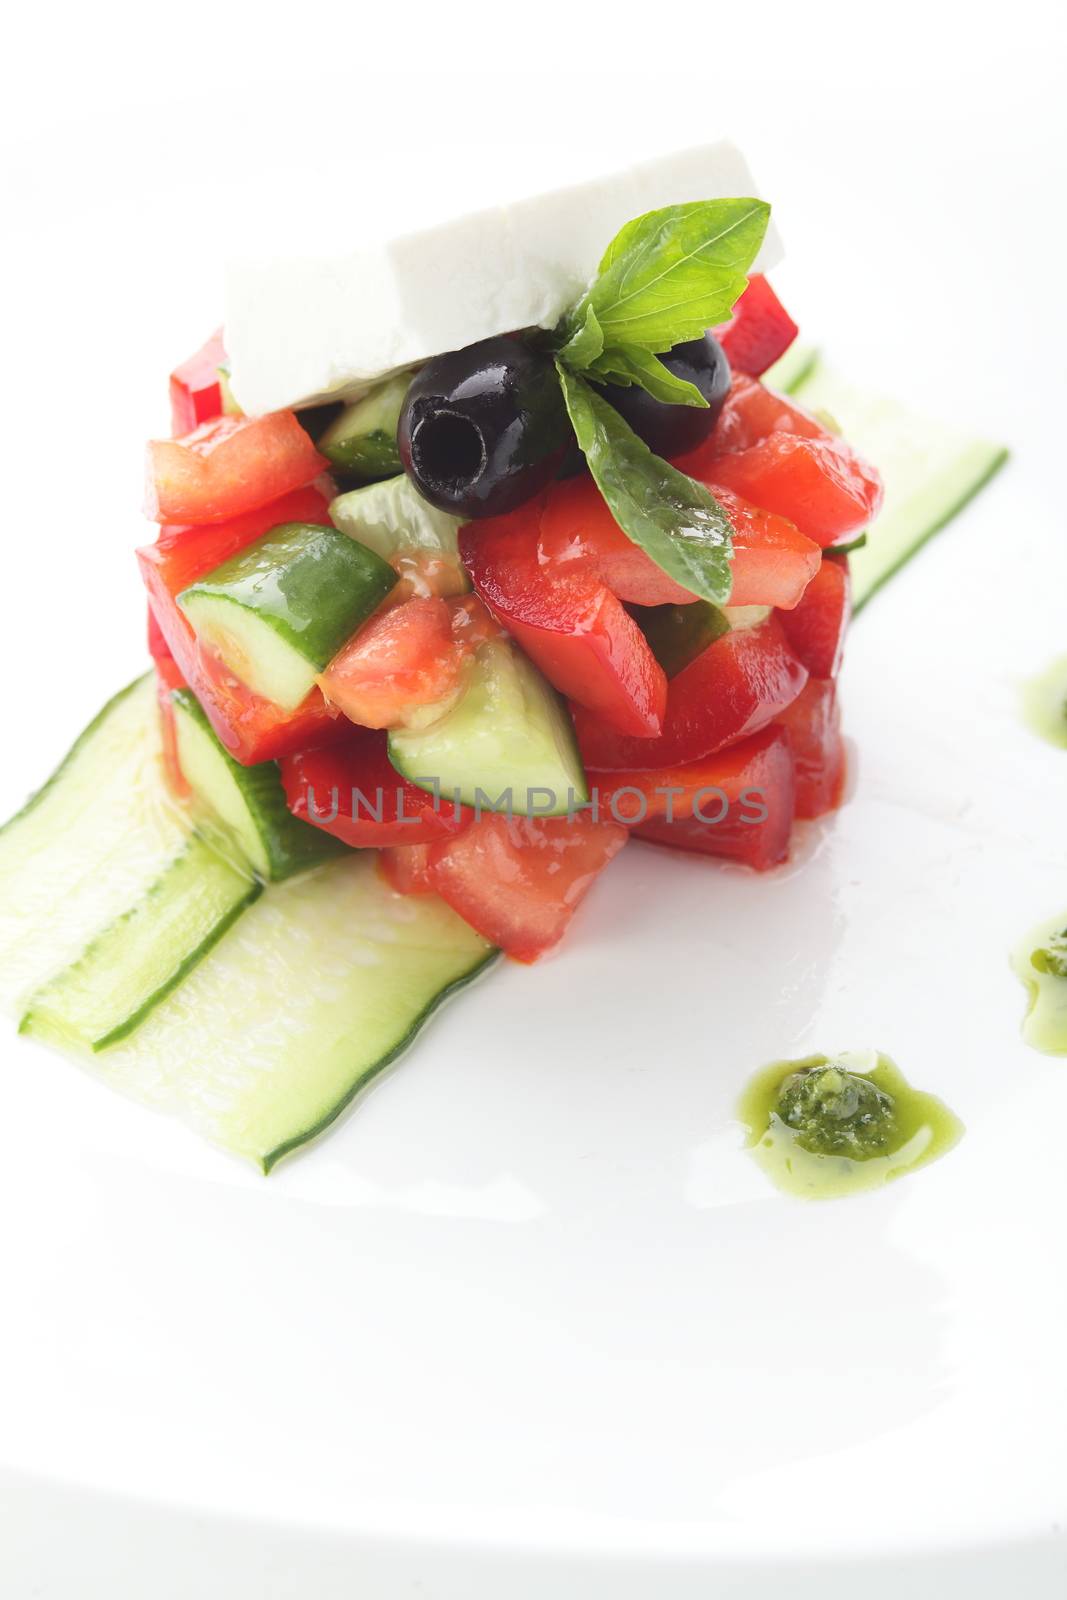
(506, 745)
(88, 846)
(318, 987)
(137, 961)
(363, 438)
(248, 801)
(930, 472)
(279, 610)
(678, 634)
(393, 519)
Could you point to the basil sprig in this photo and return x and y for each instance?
(672, 517)
(666, 276)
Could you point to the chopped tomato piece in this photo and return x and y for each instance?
(406, 868)
(737, 804)
(352, 790)
(406, 658)
(751, 413)
(813, 726)
(761, 329)
(195, 390)
(576, 525)
(773, 562)
(228, 466)
(518, 880)
(568, 623)
(819, 484)
(816, 627)
(250, 728)
(735, 687)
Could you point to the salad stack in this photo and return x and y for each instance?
(502, 613)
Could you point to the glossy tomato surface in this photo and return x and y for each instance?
(737, 804)
(735, 687)
(819, 484)
(407, 657)
(773, 562)
(351, 790)
(228, 466)
(816, 627)
(519, 880)
(576, 526)
(567, 621)
(813, 726)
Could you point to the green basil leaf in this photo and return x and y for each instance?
(630, 364)
(585, 343)
(673, 273)
(671, 517)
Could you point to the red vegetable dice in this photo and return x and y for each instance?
(351, 790)
(813, 727)
(761, 329)
(227, 467)
(518, 880)
(195, 388)
(735, 687)
(816, 627)
(568, 623)
(821, 485)
(737, 804)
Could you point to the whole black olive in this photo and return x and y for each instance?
(483, 429)
(672, 430)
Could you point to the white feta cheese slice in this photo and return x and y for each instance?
(313, 326)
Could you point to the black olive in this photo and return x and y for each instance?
(483, 429)
(671, 430)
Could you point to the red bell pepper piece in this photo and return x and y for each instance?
(761, 329)
(813, 726)
(352, 790)
(195, 389)
(737, 804)
(518, 880)
(252, 729)
(735, 687)
(816, 627)
(568, 623)
(228, 466)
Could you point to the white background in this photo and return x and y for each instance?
(534, 1303)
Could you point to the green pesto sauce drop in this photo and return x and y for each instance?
(827, 1126)
(1040, 961)
(1045, 703)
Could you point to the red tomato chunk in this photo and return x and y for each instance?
(228, 466)
(519, 880)
(568, 623)
(351, 789)
(735, 687)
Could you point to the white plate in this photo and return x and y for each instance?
(531, 1321)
